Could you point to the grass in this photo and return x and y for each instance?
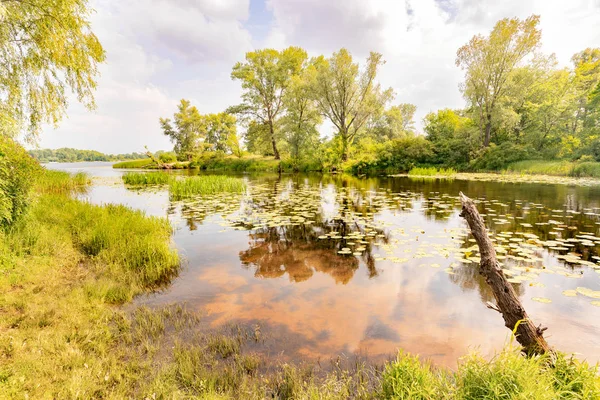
(203, 185)
(590, 169)
(143, 163)
(59, 182)
(146, 178)
(508, 375)
(432, 171)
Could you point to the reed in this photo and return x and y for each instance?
(204, 185)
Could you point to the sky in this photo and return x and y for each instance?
(160, 51)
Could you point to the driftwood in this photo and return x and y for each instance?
(508, 304)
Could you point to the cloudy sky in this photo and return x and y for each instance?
(159, 51)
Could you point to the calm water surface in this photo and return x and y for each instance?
(271, 259)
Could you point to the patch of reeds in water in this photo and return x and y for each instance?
(203, 185)
(146, 178)
(55, 182)
(432, 171)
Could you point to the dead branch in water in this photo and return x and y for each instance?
(507, 302)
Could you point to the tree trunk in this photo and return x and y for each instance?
(488, 131)
(272, 132)
(344, 147)
(508, 304)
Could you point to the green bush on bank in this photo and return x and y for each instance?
(17, 170)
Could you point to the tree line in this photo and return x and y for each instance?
(519, 105)
(74, 155)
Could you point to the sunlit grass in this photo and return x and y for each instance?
(143, 163)
(589, 169)
(146, 178)
(203, 185)
(56, 182)
(432, 171)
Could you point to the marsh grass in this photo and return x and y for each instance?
(60, 182)
(204, 185)
(146, 178)
(579, 169)
(143, 163)
(432, 171)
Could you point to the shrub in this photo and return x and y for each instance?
(399, 155)
(168, 157)
(496, 158)
(17, 172)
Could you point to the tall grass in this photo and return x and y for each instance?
(143, 163)
(203, 185)
(146, 178)
(432, 171)
(578, 169)
(508, 375)
(55, 182)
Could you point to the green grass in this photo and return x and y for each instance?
(204, 185)
(146, 178)
(56, 182)
(508, 375)
(590, 169)
(143, 163)
(432, 171)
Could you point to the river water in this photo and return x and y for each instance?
(327, 266)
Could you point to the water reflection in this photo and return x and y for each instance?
(409, 275)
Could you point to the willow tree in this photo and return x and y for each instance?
(47, 49)
(489, 61)
(265, 77)
(347, 96)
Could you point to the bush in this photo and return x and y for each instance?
(398, 155)
(169, 157)
(498, 157)
(17, 172)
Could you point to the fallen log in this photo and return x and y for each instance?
(507, 302)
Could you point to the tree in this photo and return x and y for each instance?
(488, 62)
(347, 96)
(302, 117)
(265, 77)
(220, 129)
(46, 48)
(453, 136)
(187, 130)
(395, 122)
(586, 77)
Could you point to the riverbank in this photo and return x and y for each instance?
(554, 168)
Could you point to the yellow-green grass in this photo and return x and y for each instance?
(432, 171)
(146, 178)
(204, 185)
(509, 375)
(143, 163)
(56, 182)
(556, 168)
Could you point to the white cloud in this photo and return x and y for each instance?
(160, 51)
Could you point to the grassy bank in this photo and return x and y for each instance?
(432, 171)
(577, 169)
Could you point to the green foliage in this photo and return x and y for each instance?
(347, 96)
(496, 158)
(186, 131)
(207, 184)
(167, 157)
(146, 178)
(47, 48)
(266, 77)
(17, 171)
(400, 155)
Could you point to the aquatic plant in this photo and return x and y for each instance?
(431, 171)
(204, 185)
(146, 178)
